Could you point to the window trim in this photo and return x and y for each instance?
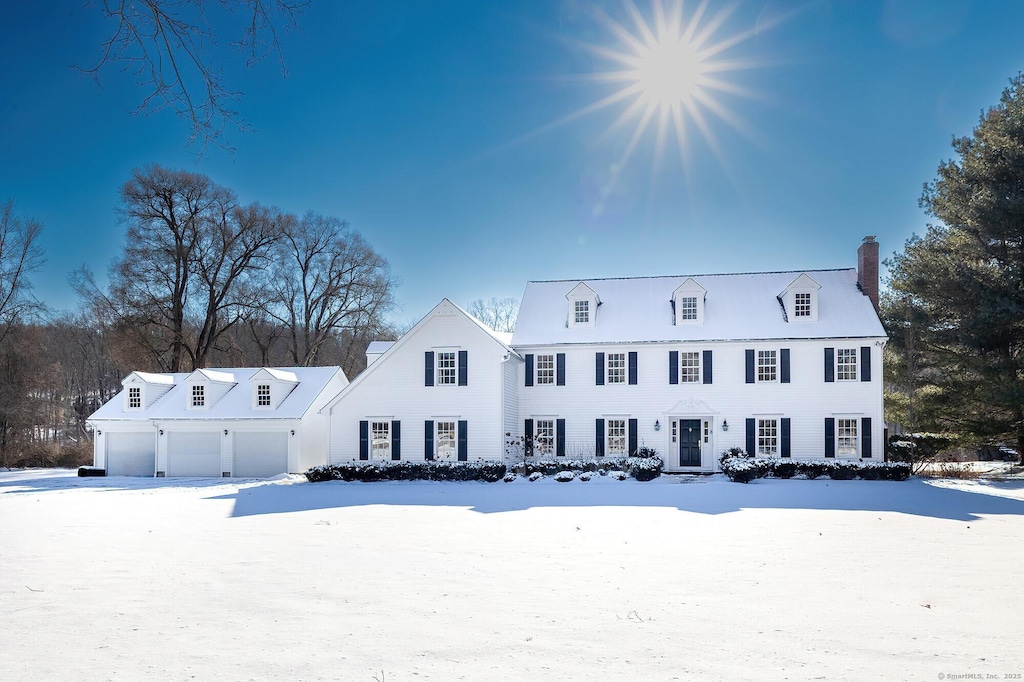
(445, 375)
(853, 370)
(454, 438)
(759, 376)
(386, 440)
(542, 447)
(768, 436)
(608, 451)
(537, 371)
(855, 437)
(622, 377)
(685, 370)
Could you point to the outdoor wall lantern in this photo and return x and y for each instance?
(657, 425)
(725, 425)
(161, 432)
(293, 432)
(225, 432)
(99, 433)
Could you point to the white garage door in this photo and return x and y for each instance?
(131, 454)
(259, 455)
(193, 454)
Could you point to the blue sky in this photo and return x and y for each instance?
(433, 128)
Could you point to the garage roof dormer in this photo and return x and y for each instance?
(269, 387)
(142, 389)
(204, 387)
(688, 302)
(583, 303)
(800, 299)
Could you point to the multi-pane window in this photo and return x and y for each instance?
(846, 364)
(767, 362)
(767, 436)
(381, 439)
(675, 431)
(582, 310)
(445, 440)
(263, 395)
(544, 436)
(688, 308)
(616, 365)
(198, 395)
(134, 397)
(545, 369)
(707, 431)
(846, 437)
(801, 305)
(446, 368)
(616, 436)
(689, 368)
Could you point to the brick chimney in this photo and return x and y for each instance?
(867, 269)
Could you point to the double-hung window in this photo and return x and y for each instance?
(445, 438)
(581, 311)
(544, 437)
(616, 437)
(198, 395)
(134, 397)
(446, 368)
(688, 308)
(768, 437)
(381, 433)
(801, 305)
(846, 437)
(767, 365)
(263, 395)
(689, 368)
(846, 364)
(545, 369)
(616, 368)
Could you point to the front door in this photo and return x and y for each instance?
(689, 442)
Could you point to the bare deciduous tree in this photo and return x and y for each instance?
(20, 254)
(169, 46)
(497, 313)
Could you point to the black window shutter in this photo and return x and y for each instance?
(785, 438)
(865, 437)
(632, 368)
(830, 437)
(364, 440)
(673, 367)
(528, 439)
(830, 365)
(784, 365)
(428, 439)
(560, 369)
(749, 353)
(599, 443)
(463, 442)
(463, 368)
(865, 363)
(396, 439)
(529, 369)
(632, 437)
(707, 366)
(560, 437)
(428, 368)
(751, 440)
(599, 369)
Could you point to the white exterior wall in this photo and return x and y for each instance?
(314, 440)
(392, 388)
(510, 396)
(807, 400)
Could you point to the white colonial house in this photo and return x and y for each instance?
(245, 422)
(785, 364)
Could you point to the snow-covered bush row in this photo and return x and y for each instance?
(640, 468)
(408, 471)
(743, 469)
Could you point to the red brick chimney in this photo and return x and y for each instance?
(867, 269)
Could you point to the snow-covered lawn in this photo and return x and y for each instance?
(142, 579)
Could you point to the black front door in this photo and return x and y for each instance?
(689, 442)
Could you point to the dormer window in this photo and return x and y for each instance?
(801, 305)
(263, 395)
(800, 299)
(135, 398)
(582, 312)
(688, 303)
(268, 388)
(198, 395)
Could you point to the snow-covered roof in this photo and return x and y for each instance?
(280, 374)
(737, 307)
(378, 347)
(151, 378)
(220, 376)
(237, 403)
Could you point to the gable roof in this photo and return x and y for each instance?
(738, 307)
(150, 378)
(445, 305)
(236, 403)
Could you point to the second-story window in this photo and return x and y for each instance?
(582, 312)
(688, 308)
(846, 364)
(198, 395)
(689, 367)
(446, 368)
(616, 368)
(767, 365)
(801, 305)
(263, 395)
(545, 369)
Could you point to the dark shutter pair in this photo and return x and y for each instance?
(631, 437)
(785, 438)
(559, 369)
(364, 439)
(751, 365)
(461, 442)
(865, 364)
(559, 437)
(865, 437)
(707, 371)
(599, 369)
(463, 368)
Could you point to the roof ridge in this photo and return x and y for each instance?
(704, 274)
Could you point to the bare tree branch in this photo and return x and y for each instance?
(20, 254)
(497, 313)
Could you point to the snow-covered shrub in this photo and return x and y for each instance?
(618, 475)
(645, 468)
(744, 469)
(586, 475)
(602, 472)
(510, 476)
(564, 476)
(368, 472)
(731, 453)
(535, 476)
(785, 468)
(814, 468)
(641, 468)
(843, 470)
(885, 471)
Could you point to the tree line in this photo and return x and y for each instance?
(203, 280)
